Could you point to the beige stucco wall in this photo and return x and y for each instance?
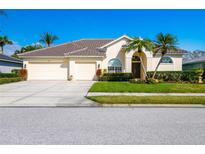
(150, 62)
(175, 66)
(114, 51)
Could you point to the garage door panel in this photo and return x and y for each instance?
(47, 71)
(85, 71)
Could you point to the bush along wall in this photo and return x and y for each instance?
(116, 77)
(175, 76)
(9, 80)
(8, 75)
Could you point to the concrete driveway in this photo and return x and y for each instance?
(45, 93)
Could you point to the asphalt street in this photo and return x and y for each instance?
(102, 125)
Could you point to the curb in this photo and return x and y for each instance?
(155, 105)
(143, 94)
(109, 106)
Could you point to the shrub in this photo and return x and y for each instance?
(8, 75)
(116, 77)
(175, 76)
(152, 81)
(199, 72)
(104, 71)
(23, 74)
(137, 81)
(8, 80)
(15, 71)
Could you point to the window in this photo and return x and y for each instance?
(114, 66)
(167, 60)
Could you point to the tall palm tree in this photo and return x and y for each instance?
(48, 38)
(4, 41)
(27, 49)
(163, 44)
(138, 44)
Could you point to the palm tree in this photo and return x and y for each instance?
(48, 38)
(27, 49)
(4, 41)
(138, 44)
(163, 44)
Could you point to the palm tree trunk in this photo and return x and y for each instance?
(143, 67)
(155, 71)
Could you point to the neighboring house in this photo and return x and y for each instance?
(7, 64)
(80, 59)
(196, 63)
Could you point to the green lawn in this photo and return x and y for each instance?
(148, 88)
(148, 99)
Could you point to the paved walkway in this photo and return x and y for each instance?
(45, 93)
(144, 94)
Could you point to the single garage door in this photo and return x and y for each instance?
(47, 71)
(85, 71)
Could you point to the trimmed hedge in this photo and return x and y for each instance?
(116, 77)
(9, 80)
(175, 76)
(8, 75)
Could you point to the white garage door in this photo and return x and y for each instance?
(85, 71)
(47, 71)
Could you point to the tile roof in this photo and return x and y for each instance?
(179, 51)
(195, 60)
(83, 47)
(10, 59)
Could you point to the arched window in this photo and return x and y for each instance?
(167, 60)
(114, 66)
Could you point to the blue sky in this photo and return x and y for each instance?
(24, 27)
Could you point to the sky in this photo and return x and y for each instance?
(24, 27)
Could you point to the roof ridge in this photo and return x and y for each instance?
(74, 51)
(94, 39)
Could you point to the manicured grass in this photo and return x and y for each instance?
(9, 80)
(148, 99)
(147, 88)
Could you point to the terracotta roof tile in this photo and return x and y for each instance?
(84, 47)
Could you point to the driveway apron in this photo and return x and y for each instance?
(45, 93)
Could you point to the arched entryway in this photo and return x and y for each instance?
(139, 65)
(136, 66)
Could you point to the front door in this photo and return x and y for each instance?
(136, 69)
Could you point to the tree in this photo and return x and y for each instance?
(138, 44)
(27, 49)
(4, 41)
(163, 44)
(48, 38)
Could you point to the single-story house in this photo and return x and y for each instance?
(195, 63)
(7, 64)
(81, 58)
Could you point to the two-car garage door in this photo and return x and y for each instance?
(59, 71)
(47, 71)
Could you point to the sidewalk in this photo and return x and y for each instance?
(144, 94)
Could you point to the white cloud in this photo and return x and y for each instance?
(10, 49)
